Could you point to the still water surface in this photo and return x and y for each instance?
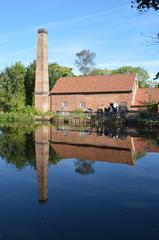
(63, 183)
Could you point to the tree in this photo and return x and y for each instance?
(85, 61)
(98, 71)
(56, 71)
(143, 5)
(84, 167)
(17, 146)
(142, 75)
(12, 91)
(17, 84)
(30, 83)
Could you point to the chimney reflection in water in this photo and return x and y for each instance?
(42, 159)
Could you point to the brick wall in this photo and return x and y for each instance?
(91, 100)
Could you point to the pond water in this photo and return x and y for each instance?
(74, 183)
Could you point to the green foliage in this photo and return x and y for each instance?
(156, 85)
(66, 120)
(30, 83)
(142, 75)
(98, 71)
(46, 114)
(144, 114)
(78, 110)
(84, 167)
(152, 135)
(56, 71)
(85, 61)
(53, 157)
(16, 117)
(150, 108)
(140, 155)
(12, 91)
(143, 5)
(17, 146)
(17, 84)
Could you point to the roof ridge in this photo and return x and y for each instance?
(94, 76)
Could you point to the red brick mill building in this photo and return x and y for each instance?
(70, 93)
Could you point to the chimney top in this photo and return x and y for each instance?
(42, 30)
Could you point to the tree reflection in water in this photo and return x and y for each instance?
(84, 167)
(17, 146)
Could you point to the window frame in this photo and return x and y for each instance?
(84, 105)
(65, 104)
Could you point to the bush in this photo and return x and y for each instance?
(49, 114)
(78, 113)
(152, 106)
(144, 114)
(15, 117)
(66, 121)
(24, 110)
(78, 110)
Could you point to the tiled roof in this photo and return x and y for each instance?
(144, 95)
(93, 153)
(91, 84)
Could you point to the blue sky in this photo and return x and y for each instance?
(118, 34)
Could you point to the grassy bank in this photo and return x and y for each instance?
(24, 117)
(33, 116)
(16, 117)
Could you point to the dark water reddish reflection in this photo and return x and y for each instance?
(85, 184)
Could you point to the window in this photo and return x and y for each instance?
(65, 104)
(65, 132)
(82, 105)
(84, 134)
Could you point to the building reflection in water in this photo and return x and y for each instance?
(86, 148)
(42, 160)
(117, 146)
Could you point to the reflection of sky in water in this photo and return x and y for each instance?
(91, 188)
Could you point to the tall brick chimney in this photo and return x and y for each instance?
(42, 79)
